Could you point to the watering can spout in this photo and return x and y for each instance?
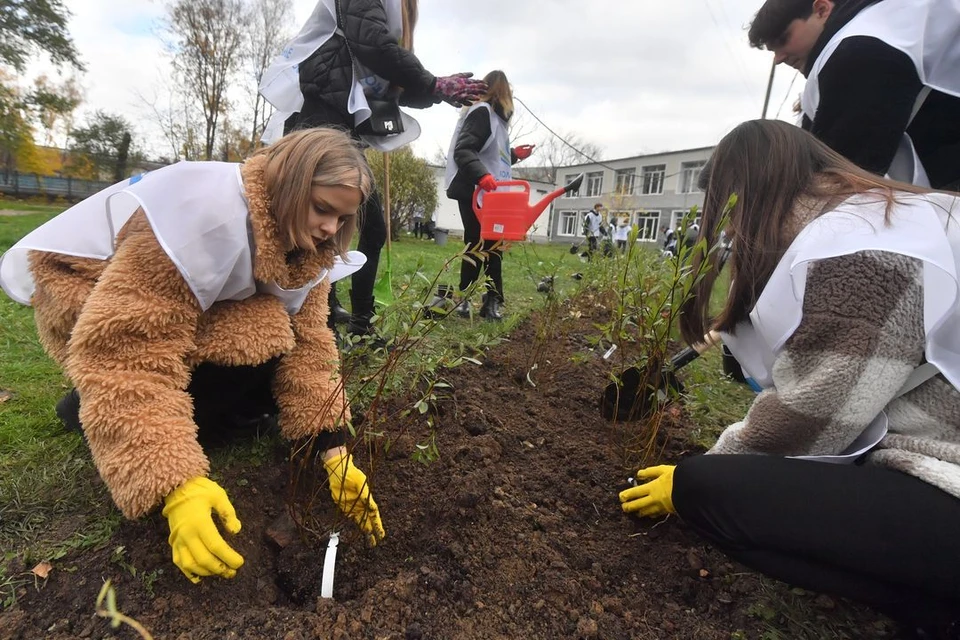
(573, 185)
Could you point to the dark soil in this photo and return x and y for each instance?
(514, 532)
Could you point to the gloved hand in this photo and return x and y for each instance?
(523, 151)
(459, 89)
(198, 548)
(351, 492)
(654, 498)
(487, 183)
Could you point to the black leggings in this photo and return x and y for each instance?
(372, 235)
(867, 533)
(492, 262)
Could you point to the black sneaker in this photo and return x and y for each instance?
(68, 410)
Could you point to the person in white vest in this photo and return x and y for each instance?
(883, 80)
(593, 228)
(480, 155)
(621, 235)
(194, 298)
(844, 308)
(352, 65)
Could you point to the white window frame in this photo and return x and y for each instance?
(677, 215)
(565, 216)
(567, 179)
(594, 182)
(690, 175)
(621, 176)
(649, 225)
(653, 170)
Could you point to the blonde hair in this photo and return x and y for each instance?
(499, 92)
(409, 12)
(302, 160)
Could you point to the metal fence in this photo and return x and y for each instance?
(25, 185)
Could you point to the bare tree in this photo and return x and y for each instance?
(206, 40)
(271, 23)
(170, 109)
(560, 150)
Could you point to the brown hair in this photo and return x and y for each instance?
(771, 166)
(409, 12)
(302, 160)
(499, 94)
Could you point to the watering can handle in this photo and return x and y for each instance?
(504, 183)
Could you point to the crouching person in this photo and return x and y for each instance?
(844, 308)
(191, 296)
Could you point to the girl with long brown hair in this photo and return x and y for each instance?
(480, 156)
(844, 307)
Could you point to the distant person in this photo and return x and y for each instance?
(354, 69)
(883, 87)
(190, 301)
(844, 475)
(621, 234)
(669, 239)
(480, 156)
(593, 228)
(419, 226)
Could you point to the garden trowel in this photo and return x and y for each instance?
(638, 391)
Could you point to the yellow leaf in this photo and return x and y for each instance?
(42, 570)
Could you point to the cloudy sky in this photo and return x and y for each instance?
(632, 76)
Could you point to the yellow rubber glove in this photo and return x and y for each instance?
(198, 547)
(654, 498)
(351, 492)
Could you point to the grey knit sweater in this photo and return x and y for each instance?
(860, 337)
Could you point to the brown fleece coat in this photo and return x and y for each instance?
(128, 332)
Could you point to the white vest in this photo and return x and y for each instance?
(280, 83)
(495, 153)
(928, 31)
(199, 215)
(920, 227)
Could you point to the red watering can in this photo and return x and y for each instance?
(508, 215)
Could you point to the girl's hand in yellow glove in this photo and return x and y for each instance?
(351, 492)
(654, 498)
(198, 548)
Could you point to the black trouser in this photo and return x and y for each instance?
(867, 533)
(419, 229)
(232, 399)
(372, 235)
(491, 263)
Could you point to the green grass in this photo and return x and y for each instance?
(29, 206)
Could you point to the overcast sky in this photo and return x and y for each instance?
(632, 76)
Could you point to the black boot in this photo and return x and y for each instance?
(338, 315)
(491, 307)
(68, 410)
(441, 304)
(463, 309)
(360, 325)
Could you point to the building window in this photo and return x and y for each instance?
(594, 184)
(649, 225)
(567, 179)
(625, 180)
(568, 223)
(690, 175)
(677, 216)
(653, 179)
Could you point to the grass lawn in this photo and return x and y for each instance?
(51, 500)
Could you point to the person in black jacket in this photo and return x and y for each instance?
(868, 93)
(480, 155)
(386, 68)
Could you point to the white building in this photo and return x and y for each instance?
(652, 190)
